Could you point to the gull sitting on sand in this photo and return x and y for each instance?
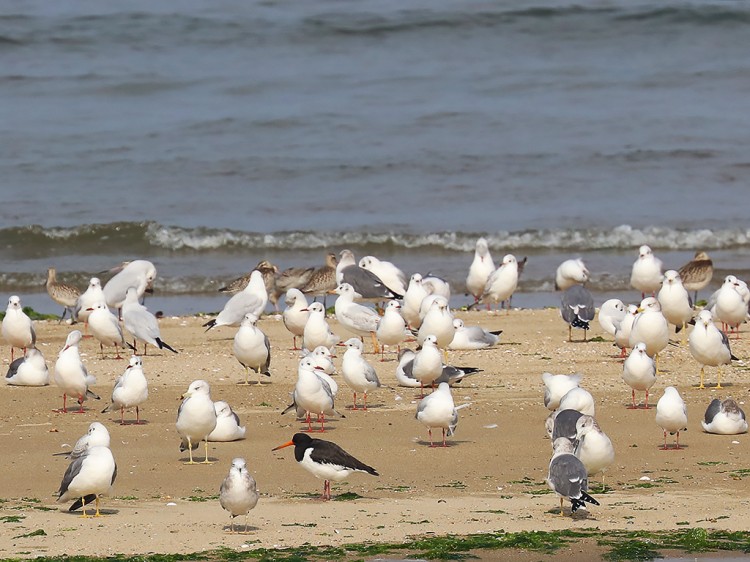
(228, 426)
(30, 370)
(472, 337)
(724, 417)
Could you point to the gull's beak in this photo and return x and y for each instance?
(287, 444)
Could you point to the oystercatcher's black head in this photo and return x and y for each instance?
(299, 440)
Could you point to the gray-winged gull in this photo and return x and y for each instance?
(238, 493)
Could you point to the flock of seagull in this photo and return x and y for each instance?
(415, 310)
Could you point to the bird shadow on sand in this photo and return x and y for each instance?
(359, 408)
(254, 383)
(672, 447)
(240, 529)
(439, 444)
(130, 422)
(199, 459)
(90, 509)
(580, 514)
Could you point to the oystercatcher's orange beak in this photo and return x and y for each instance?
(287, 444)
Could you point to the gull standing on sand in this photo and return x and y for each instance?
(252, 299)
(357, 372)
(724, 417)
(730, 305)
(557, 386)
(196, 418)
(106, 328)
(141, 323)
(415, 294)
(623, 329)
(450, 374)
(428, 363)
(697, 273)
(70, 373)
(646, 273)
(88, 300)
(480, 270)
(392, 328)
(675, 302)
(89, 476)
(96, 435)
(354, 317)
(439, 410)
(611, 313)
(593, 446)
(238, 493)
(324, 459)
(708, 345)
(389, 274)
(62, 294)
(252, 348)
(228, 426)
(578, 399)
(639, 372)
(671, 414)
(472, 337)
(502, 283)
(363, 282)
(569, 273)
(17, 327)
(567, 476)
(295, 314)
(651, 328)
(438, 322)
(317, 332)
(577, 309)
(130, 391)
(138, 273)
(29, 370)
(312, 393)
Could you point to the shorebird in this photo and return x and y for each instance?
(577, 309)
(611, 313)
(324, 459)
(357, 372)
(295, 314)
(724, 417)
(392, 328)
(228, 426)
(317, 331)
(17, 327)
(29, 370)
(391, 276)
(439, 410)
(322, 280)
(708, 345)
(139, 274)
(593, 446)
(639, 372)
(567, 476)
(569, 273)
(557, 386)
(106, 328)
(196, 418)
(675, 302)
(238, 493)
(130, 391)
(578, 399)
(697, 273)
(62, 294)
(354, 317)
(252, 348)
(70, 373)
(363, 282)
(252, 299)
(480, 270)
(671, 414)
(141, 323)
(502, 283)
(88, 477)
(646, 273)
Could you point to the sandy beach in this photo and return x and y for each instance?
(491, 476)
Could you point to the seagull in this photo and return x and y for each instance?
(325, 460)
(651, 328)
(96, 435)
(196, 418)
(452, 375)
(562, 423)
(317, 332)
(697, 273)
(238, 493)
(556, 386)
(392, 328)
(267, 270)
(413, 298)
(611, 313)
(724, 417)
(89, 299)
(62, 294)
(578, 399)
(671, 414)
(357, 372)
(295, 314)
(731, 307)
(391, 276)
(106, 328)
(17, 328)
(252, 299)
(252, 348)
(639, 372)
(141, 323)
(501, 283)
(354, 317)
(480, 270)
(567, 476)
(428, 363)
(138, 273)
(131, 390)
(439, 410)
(622, 331)
(30, 370)
(322, 357)
(675, 302)
(593, 446)
(312, 393)
(646, 273)
(322, 280)
(363, 282)
(70, 373)
(438, 322)
(227, 424)
(472, 337)
(708, 345)
(577, 309)
(88, 477)
(569, 273)
(435, 285)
